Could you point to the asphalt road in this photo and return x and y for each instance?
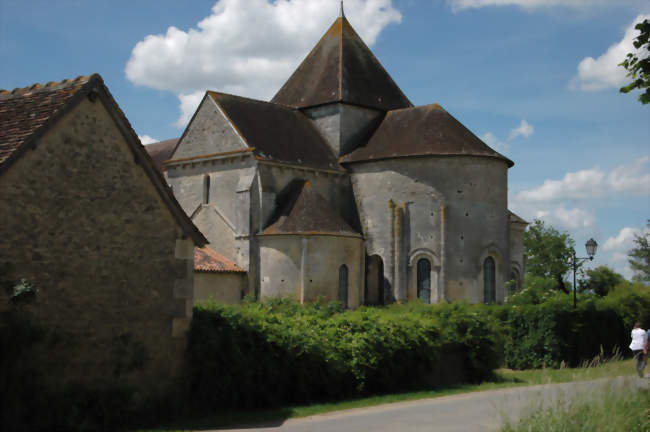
(480, 411)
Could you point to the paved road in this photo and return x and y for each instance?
(480, 411)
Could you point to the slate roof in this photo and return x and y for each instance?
(420, 131)
(277, 132)
(516, 219)
(161, 151)
(26, 114)
(341, 68)
(207, 260)
(302, 210)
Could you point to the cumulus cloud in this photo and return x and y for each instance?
(631, 179)
(458, 5)
(624, 241)
(245, 47)
(616, 248)
(146, 139)
(524, 129)
(490, 139)
(604, 72)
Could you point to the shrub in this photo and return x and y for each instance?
(264, 354)
(551, 332)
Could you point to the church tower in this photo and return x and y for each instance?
(342, 88)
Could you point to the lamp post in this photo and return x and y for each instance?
(591, 247)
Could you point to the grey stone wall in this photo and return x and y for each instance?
(307, 267)
(209, 132)
(450, 209)
(84, 224)
(344, 127)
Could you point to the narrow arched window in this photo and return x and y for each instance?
(489, 280)
(424, 280)
(343, 285)
(206, 189)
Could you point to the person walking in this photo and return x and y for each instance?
(639, 347)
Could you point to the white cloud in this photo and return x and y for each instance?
(630, 180)
(567, 218)
(146, 139)
(245, 47)
(604, 72)
(524, 129)
(616, 249)
(490, 139)
(458, 5)
(624, 241)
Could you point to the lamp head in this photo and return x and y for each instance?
(591, 246)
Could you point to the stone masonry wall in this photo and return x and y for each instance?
(83, 223)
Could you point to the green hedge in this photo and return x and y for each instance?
(265, 354)
(552, 332)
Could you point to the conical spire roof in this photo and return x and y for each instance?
(341, 68)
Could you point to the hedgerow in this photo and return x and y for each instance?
(551, 333)
(264, 354)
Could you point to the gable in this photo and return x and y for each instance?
(276, 132)
(210, 132)
(52, 103)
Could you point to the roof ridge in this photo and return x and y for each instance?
(253, 99)
(50, 85)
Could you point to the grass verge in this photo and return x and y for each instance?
(503, 378)
(617, 409)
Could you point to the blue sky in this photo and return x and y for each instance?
(535, 79)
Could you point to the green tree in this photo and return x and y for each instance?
(549, 253)
(640, 256)
(601, 280)
(639, 68)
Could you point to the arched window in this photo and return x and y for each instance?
(343, 285)
(489, 280)
(424, 280)
(206, 189)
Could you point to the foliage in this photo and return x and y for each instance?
(537, 289)
(620, 408)
(23, 292)
(601, 280)
(551, 333)
(638, 66)
(640, 256)
(549, 252)
(264, 354)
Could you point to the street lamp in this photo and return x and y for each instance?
(591, 247)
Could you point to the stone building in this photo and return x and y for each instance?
(89, 222)
(339, 187)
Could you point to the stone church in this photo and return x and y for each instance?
(340, 188)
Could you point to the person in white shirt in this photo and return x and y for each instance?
(639, 347)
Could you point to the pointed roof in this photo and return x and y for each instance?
(341, 68)
(26, 114)
(277, 132)
(161, 151)
(302, 210)
(421, 131)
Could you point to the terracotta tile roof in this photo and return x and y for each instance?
(207, 260)
(23, 111)
(302, 210)
(421, 131)
(277, 132)
(341, 68)
(161, 151)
